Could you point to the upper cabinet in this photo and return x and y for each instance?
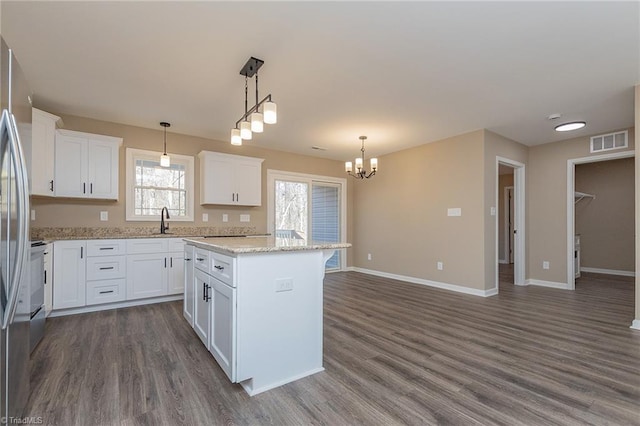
(86, 165)
(42, 152)
(230, 179)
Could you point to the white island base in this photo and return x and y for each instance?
(272, 334)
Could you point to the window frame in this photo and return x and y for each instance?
(132, 154)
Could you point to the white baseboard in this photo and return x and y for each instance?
(551, 284)
(436, 284)
(608, 271)
(503, 261)
(635, 324)
(247, 385)
(115, 305)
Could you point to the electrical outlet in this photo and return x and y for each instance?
(456, 211)
(205, 217)
(245, 218)
(104, 216)
(225, 217)
(545, 264)
(33, 214)
(440, 266)
(368, 256)
(284, 284)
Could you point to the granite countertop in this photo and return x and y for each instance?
(98, 233)
(263, 244)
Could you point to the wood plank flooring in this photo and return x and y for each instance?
(395, 353)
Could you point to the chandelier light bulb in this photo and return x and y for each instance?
(236, 139)
(358, 164)
(165, 160)
(348, 167)
(256, 122)
(245, 130)
(374, 164)
(270, 113)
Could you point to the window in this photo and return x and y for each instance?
(150, 187)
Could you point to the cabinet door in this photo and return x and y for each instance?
(102, 170)
(70, 166)
(69, 269)
(223, 327)
(176, 273)
(202, 314)
(248, 184)
(189, 285)
(219, 186)
(42, 152)
(146, 276)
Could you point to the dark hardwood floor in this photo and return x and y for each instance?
(395, 353)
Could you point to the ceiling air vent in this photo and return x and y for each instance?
(609, 141)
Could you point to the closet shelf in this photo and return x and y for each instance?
(580, 195)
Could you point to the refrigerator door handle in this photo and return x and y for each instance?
(9, 129)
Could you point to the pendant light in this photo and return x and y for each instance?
(165, 160)
(253, 120)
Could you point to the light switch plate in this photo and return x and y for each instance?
(245, 218)
(493, 211)
(440, 266)
(104, 216)
(225, 217)
(457, 211)
(545, 264)
(205, 217)
(33, 214)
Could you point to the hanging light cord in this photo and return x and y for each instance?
(246, 94)
(165, 140)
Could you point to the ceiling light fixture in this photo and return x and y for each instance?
(165, 160)
(567, 127)
(361, 173)
(252, 121)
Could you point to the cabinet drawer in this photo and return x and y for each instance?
(105, 291)
(147, 245)
(221, 267)
(201, 260)
(176, 244)
(106, 247)
(106, 267)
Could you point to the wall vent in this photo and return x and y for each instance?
(610, 141)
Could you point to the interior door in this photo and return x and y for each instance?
(510, 219)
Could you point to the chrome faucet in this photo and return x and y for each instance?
(164, 227)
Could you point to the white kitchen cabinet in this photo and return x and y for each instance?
(69, 271)
(230, 179)
(48, 278)
(86, 165)
(222, 337)
(202, 311)
(189, 285)
(42, 152)
(175, 271)
(146, 275)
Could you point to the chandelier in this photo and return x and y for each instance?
(361, 172)
(252, 121)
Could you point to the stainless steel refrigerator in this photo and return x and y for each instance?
(15, 135)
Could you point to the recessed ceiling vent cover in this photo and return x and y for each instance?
(610, 141)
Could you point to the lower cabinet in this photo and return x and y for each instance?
(69, 274)
(202, 312)
(222, 339)
(175, 271)
(189, 285)
(146, 276)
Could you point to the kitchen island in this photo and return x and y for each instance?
(256, 303)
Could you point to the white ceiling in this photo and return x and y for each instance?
(403, 74)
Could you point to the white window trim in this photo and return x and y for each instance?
(155, 156)
(273, 175)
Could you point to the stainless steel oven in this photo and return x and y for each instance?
(36, 283)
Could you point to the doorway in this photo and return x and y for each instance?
(510, 219)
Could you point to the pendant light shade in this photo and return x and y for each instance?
(235, 137)
(245, 130)
(165, 160)
(256, 122)
(270, 113)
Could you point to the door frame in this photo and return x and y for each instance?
(571, 218)
(519, 239)
(507, 228)
(273, 175)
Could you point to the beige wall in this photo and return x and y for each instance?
(69, 212)
(401, 214)
(496, 146)
(503, 182)
(547, 205)
(606, 224)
